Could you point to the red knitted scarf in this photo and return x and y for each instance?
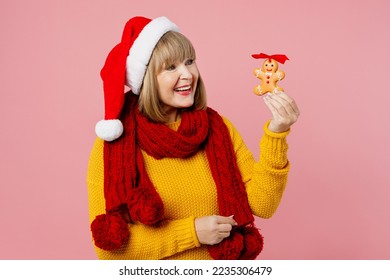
(131, 196)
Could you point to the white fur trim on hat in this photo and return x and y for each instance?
(109, 130)
(142, 49)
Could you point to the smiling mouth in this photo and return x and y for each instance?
(183, 89)
(269, 70)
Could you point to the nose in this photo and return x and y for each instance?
(185, 73)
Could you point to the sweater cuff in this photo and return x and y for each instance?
(275, 134)
(273, 150)
(186, 234)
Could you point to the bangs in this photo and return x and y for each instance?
(173, 46)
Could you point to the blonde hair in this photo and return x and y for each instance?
(173, 46)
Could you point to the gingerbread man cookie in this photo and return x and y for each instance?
(268, 73)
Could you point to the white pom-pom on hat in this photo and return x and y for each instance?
(126, 64)
(109, 130)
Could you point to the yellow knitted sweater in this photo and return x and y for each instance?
(188, 191)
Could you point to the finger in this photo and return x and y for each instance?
(225, 227)
(282, 105)
(223, 235)
(290, 101)
(226, 220)
(218, 239)
(285, 115)
(272, 106)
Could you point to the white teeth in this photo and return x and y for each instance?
(183, 88)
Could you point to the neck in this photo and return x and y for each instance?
(172, 115)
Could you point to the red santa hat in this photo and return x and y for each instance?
(126, 65)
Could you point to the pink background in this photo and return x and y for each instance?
(337, 202)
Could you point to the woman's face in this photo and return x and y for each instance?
(177, 85)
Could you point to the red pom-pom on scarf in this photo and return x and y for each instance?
(244, 243)
(253, 243)
(109, 231)
(228, 249)
(146, 206)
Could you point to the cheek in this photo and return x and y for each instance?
(195, 75)
(165, 83)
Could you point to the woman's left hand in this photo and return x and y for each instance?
(284, 111)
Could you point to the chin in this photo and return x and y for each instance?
(185, 103)
(185, 106)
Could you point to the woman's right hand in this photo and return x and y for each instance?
(284, 111)
(213, 229)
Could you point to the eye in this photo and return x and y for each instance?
(189, 61)
(266, 65)
(171, 67)
(272, 65)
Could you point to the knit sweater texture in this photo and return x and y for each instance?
(188, 191)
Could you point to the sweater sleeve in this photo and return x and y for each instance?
(145, 242)
(266, 179)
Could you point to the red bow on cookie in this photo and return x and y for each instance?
(281, 58)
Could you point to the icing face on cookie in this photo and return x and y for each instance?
(270, 65)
